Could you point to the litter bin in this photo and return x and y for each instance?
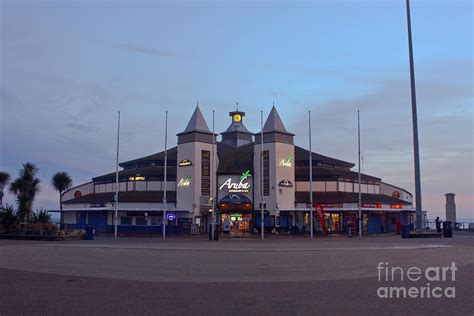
(90, 231)
(216, 232)
(405, 231)
(447, 229)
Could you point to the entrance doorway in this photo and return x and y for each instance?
(235, 222)
(334, 222)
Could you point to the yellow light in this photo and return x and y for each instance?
(137, 178)
(237, 118)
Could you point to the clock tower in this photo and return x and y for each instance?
(237, 134)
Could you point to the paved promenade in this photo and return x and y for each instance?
(231, 276)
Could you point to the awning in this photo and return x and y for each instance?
(126, 209)
(348, 209)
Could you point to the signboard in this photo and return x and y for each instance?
(396, 194)
(286, 162)
(396, 206)
(185, 182)
(241, 185)
(285, 183)
(92, 205)
(185, 163)
(372, 205)
(170, 216)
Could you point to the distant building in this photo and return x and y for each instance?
(450, 208)
(237, 178)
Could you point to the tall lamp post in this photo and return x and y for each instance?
(212, 172)
(165, 175)
(116, 180)
(415, 126)
(262, 205)
(310, 177)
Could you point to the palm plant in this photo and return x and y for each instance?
(61, 181)
(25, 188)
(8, 217)
(4, 179)
(41, 217)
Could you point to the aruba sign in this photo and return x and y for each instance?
(286, 162)
(237, 187)
(185, 182)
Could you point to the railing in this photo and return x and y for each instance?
(458, 226)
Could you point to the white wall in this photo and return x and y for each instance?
(86, 188)
(188, 198)
(388, 189)
(69, 217)
(286, 197)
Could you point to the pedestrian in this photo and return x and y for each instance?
(438, 224)
(349, 229)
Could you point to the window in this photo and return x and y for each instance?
(266, 173)
(205, 172)
(126, 220)
(331, 186)
(140, 220)
(156, 220)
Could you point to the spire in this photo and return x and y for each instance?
(274, 123)
(197, 123)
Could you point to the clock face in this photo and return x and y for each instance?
(237, 118)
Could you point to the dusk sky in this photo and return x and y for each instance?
(68, 67)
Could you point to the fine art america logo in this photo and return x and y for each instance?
(432, 280)
(237, 187)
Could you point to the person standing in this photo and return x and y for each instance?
(438, 224)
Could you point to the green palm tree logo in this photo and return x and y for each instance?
(245, 175)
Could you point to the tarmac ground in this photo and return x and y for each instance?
(237, 276)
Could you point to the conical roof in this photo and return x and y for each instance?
(237, 128)
(274, 123)
(197, 123)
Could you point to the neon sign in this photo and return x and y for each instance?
(237, 187)
(185, 163)
(286, 162)
(185, 182)
(285, 183)
(136, 178)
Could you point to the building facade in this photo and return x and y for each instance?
(240, 174)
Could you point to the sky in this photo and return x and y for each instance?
(67, 67)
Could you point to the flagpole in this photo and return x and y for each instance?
(310, 177)
(262, 214)
(416, 147)
(212, 175)
(165, 175)
(360, 195)
(116, 179)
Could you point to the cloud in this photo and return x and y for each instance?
(445, 124)
(144, 50)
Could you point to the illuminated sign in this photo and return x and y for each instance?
(136, 178)
(185, 182)
(285, 183)
(237, 187)
(372, 205)
(170, 216)
(92, 205)
(286, 162)
(397, 206)
(185, 163)
(396, 194)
